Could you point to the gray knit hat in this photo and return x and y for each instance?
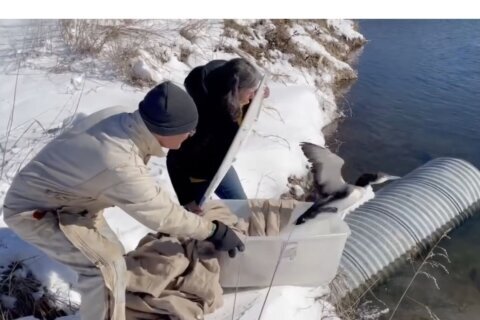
(168, 110)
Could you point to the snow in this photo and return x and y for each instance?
(142, 70)
(272, 153)
(345, 28)
(304, 42)
(53, 87)
(283, 303)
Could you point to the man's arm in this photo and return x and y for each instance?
(137, 194)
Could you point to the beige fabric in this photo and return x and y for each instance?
(92, 236)
(179, 279)
(47, 236)
(269, 216)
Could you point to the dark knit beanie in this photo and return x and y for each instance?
(168, 110)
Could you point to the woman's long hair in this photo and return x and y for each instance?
(241, 75)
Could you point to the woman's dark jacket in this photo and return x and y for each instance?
(201, 155)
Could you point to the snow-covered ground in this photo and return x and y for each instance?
(43, 86)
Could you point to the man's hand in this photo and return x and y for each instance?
(225, 239)
(194, 207)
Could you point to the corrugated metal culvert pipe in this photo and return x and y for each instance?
(405, 216)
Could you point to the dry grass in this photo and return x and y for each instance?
(89, 36)
(279, 38)
(230, 26)
(23, 295)
(322, 33)
(430, 261)
(256, 52)
(121, 56)
(190, 30)
(352, 306)
(117, 41)
(362, 303)
(243, 34)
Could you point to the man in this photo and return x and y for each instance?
(55, 202)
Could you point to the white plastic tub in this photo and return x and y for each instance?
(310, 257)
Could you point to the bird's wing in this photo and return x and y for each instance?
(326, 168)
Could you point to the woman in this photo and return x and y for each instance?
(222, 91)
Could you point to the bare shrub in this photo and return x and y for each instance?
(23, 295)
(435, 259)
(120, 56)
(257, 52)
(279, 37)
(191, 29)
(321, 33)
(116, 41)
(89, 36)
(352, 305)
(123, 57)
(362, 303)
(231, 26)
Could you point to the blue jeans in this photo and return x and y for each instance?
(229, 188)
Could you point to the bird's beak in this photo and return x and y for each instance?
(384, 178)
(393, 177)
(388, 178)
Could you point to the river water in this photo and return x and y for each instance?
(417, 98)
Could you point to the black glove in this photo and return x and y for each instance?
(225, 239)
